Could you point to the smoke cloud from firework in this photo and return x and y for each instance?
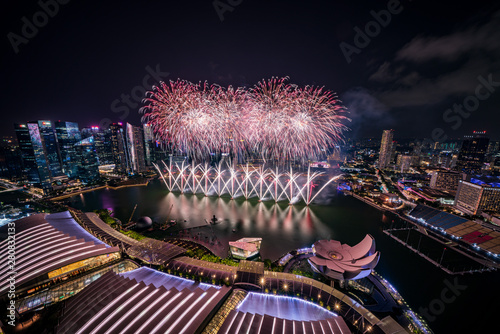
(274, 119)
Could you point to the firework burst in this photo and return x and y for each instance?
(274, 118)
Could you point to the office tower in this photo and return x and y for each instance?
(445, 180)
(385, 149)
(88, 164)
(471, 156)
(51, 147)
(33, 155)
(404, 163)
(68, 134)
(135, 145)
(475, 196)
(102, 143)
(148, 144)
(119, 147)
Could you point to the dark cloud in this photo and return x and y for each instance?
(432, 90)
(386, 74)
(365, 110)
(455, 45)
(456, 59)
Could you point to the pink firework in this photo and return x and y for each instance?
(276, 119)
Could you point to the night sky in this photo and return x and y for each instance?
(424, 57)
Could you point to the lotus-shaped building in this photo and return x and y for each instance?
(343, 262)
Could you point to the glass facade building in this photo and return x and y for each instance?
(33, 154)
(88, 163)
(135, 143)
(68, 134)
(51, 147)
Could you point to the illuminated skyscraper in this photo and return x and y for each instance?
(135, 144)
(50, 147)
(88, 164)
(33, 154)
(471, 156)
(148, 143)
(385, 149)
(119, 147)
(68, 134)
(102, 143)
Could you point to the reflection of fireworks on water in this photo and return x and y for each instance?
(275, 119)
(247, 182)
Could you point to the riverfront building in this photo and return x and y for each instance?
(51, 249)
(343, 262)
(148, 301)
(476, 196)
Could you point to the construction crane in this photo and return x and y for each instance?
(133, 211)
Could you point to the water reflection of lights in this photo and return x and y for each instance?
(247, 215)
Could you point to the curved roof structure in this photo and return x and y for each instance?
(263, 313)
(159, 278)
(341, 261)
(44, 243)
(283, 307)
(139, 302)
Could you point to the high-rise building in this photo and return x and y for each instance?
(135, 144)
(68, 134)
(404, 163)
(148, 143)
(50, 146)
(472, 153)
(88, 164)
(33, 155)
(119, 147)
(386, 149)
(102, 143)
(475, 196)
(445, 180)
